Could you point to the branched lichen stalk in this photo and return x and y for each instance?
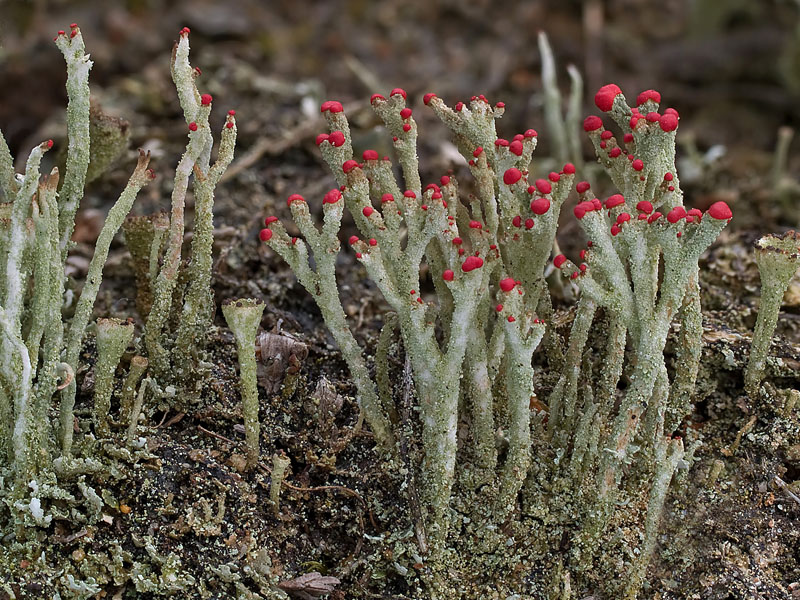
(629, 238)
(470, 342)
(196, 158)
(198, 305)
(321, 284)
(167, 278)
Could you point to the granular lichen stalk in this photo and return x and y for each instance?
(196, 311)
(504, 488)
(113, 336)
(243, 317)
(485, 258)
(778, 257)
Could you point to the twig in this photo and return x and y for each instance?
(782, 484)
(321, 488)
(333, 488)
(216, 435)
(263, 467)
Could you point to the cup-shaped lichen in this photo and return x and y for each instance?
(280, 464)
(778, 257)
(113, 336)
(243, 317)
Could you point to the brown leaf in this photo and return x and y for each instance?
(309, 586)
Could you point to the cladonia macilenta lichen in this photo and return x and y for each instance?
(470, 336)
(531, 457)
(41, 458)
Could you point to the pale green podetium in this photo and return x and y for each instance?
(113, 336)
(197, 311)
(137, 368)
(83, 310)
(243, 317)
(280, 464)
(778, 257)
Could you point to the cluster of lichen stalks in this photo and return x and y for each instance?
(41, 464)
(466, 281)
(470, 338)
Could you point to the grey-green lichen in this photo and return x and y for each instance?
(778, 258)
(470, 343)
(196, 312)
(141, 176)
(508, 487)
(56, 465)
(113, 337)
(40, 357)
(243, 317)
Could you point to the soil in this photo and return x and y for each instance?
(732, 69)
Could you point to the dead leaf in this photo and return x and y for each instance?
(309, 586)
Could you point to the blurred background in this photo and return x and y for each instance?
(730, 67)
